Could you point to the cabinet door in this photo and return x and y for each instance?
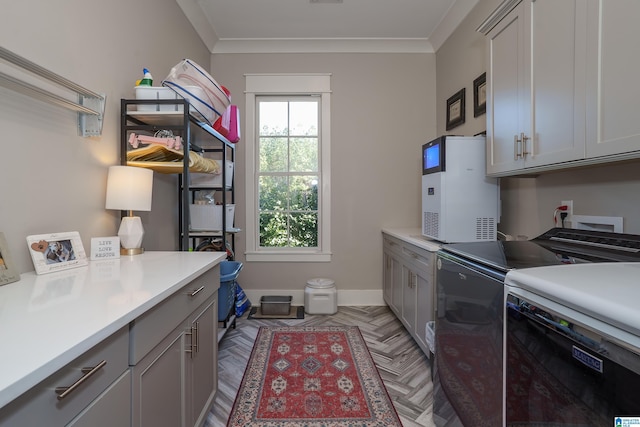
(557, 32)
(424, 306)
(507, 97)
(159, 384)
(613, 123)
(202, 362)
(409, 279)
(387, 272)
(396, 280)
(536, 86)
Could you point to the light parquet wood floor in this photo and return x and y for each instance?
(402, 365)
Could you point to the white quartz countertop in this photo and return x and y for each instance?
(48, 320)
(415, 237)
(610, 292)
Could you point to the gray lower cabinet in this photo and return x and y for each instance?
(175, 381)
(408, 289)
(95, 383)
(160, 370)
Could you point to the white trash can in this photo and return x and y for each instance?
(320, 296)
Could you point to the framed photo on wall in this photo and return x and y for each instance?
(455, 109)
(480, 95)
(56, 252)
(8, 271)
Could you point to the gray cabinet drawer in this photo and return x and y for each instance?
(111, 408)
(420, 258)
(391, 244)
(40, 406)
(153, 326)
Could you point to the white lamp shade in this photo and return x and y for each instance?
(129, 188)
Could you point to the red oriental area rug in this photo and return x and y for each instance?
(312, 376)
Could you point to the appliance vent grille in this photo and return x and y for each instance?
(431, 224)
(486, 228)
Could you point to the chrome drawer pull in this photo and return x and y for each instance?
(197, 291)
(63, 392)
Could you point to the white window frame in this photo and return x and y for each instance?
(287, 84)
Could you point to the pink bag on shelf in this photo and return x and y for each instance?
(234, 124)
(229, 124)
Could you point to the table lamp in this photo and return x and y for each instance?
(129, 189)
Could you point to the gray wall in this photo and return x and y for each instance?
(382, 111)
(528, 203)
(52, 180)
(384, 106)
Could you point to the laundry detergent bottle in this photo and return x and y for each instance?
(147, 79)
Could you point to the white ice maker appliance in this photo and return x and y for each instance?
(459, 202)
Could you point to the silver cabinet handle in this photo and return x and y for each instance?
(197, 337)
(524, 139)
(412, 280)
(63, 392)
(520, 146)
(196, 292)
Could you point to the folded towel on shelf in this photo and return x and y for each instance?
(168, 160)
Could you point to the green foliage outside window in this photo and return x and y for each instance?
(288, 174)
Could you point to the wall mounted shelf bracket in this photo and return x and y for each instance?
(90, 105)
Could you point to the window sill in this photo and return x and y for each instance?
(287, 257)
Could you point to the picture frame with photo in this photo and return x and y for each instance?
(8, 271)
(455, 109)
(480, 95)
(56, 252)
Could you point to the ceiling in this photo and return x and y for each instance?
(246, 26)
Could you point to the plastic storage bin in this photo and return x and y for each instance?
(320, 296)
(209, 217)
(229, 271)
(206, 180)
(193, 83)
(275, 305)
(153, 92)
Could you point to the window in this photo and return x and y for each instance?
(287, 155)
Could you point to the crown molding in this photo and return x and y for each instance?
(454, 17)
(196, 16)
(365, 45)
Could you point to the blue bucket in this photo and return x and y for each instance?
(229, 271)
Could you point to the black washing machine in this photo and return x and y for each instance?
(468, 367)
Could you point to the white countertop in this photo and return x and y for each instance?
(48, 320)
(609, 292)
(415, 237)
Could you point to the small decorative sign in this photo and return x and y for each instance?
(105, 248)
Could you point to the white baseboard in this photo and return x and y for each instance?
(345, 297)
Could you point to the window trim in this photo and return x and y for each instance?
(288, 84)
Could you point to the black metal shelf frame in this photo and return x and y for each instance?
(188, 125)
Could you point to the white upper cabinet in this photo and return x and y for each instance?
(562, 84)
(613, 114)
(507, 98)
(536, 85)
